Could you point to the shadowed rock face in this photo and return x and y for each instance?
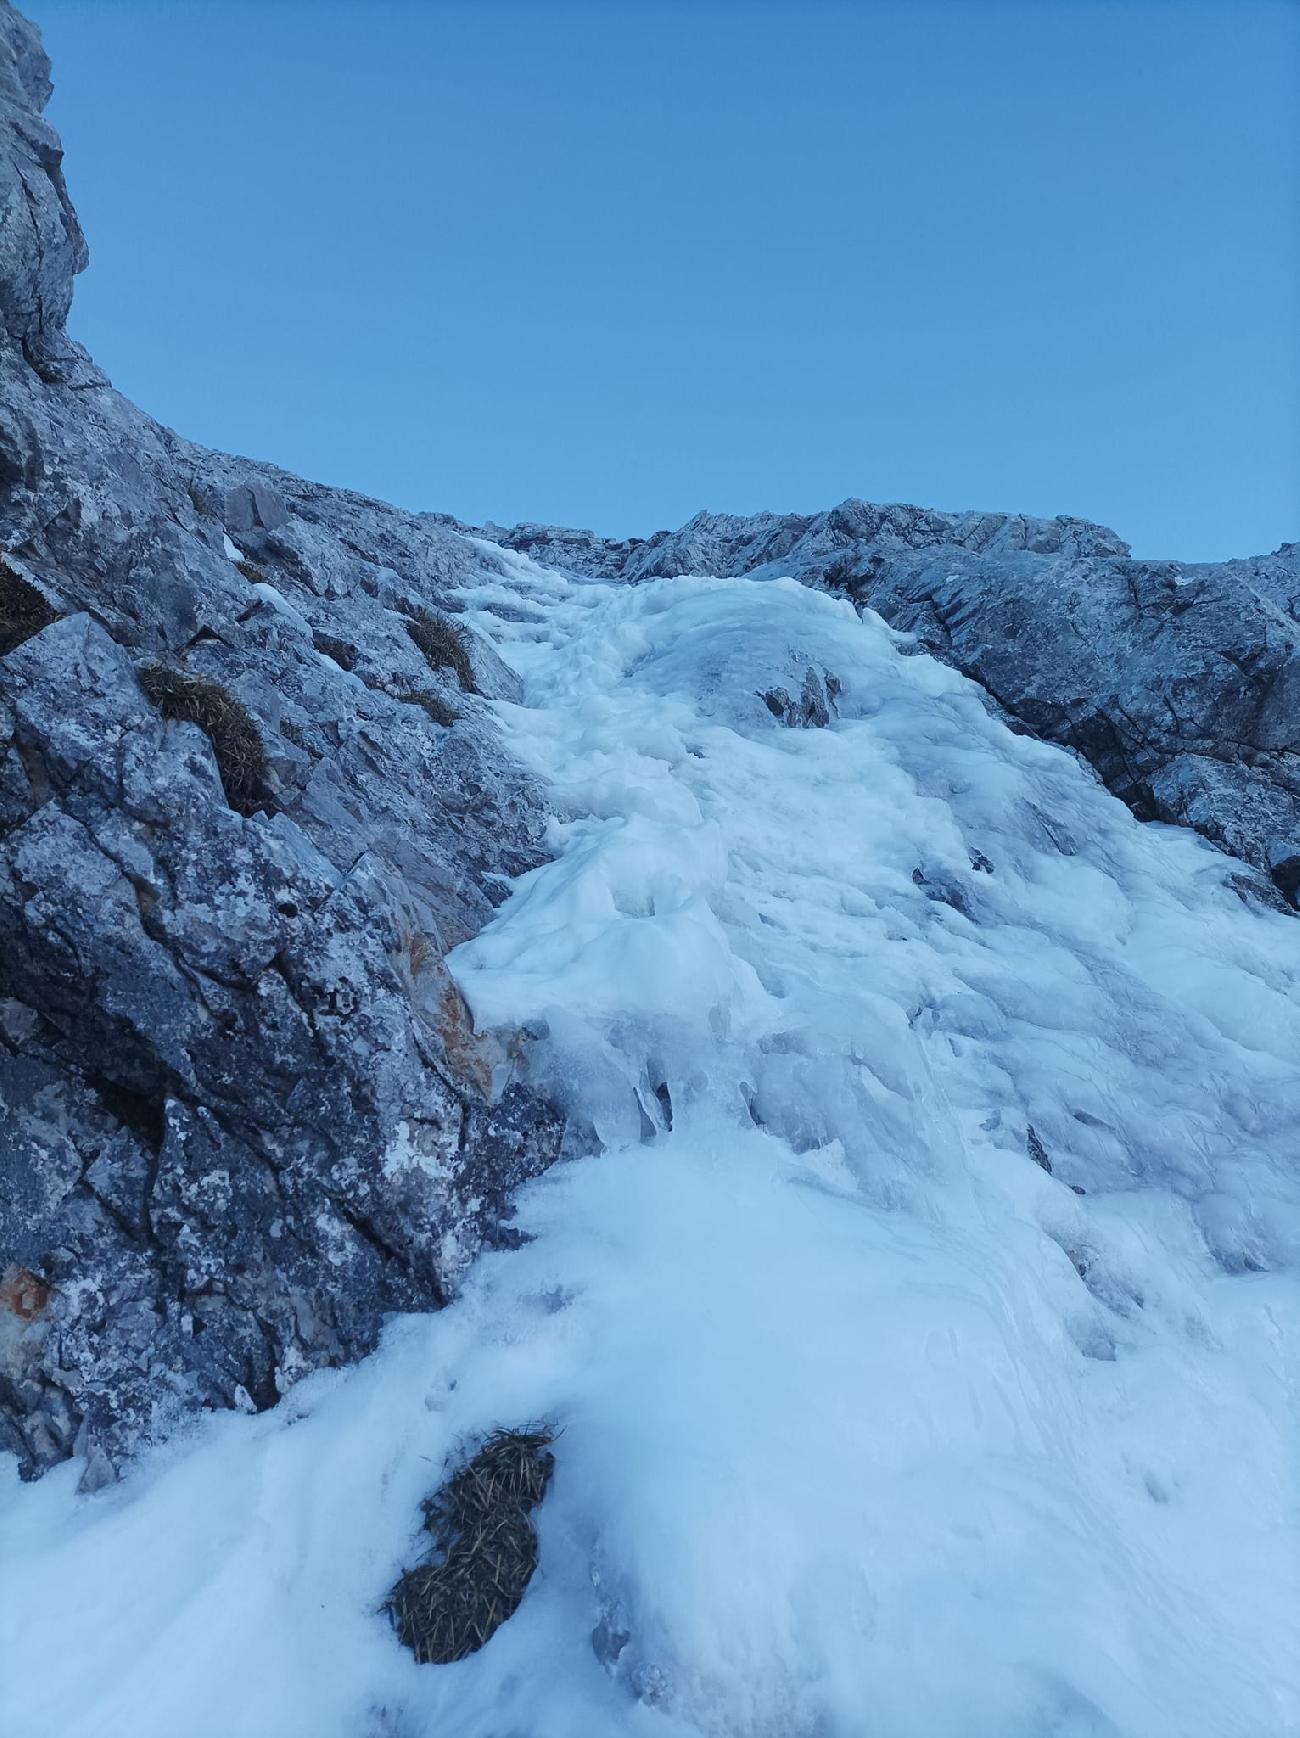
(242, 1112)
(1179, 684)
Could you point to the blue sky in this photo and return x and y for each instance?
(607, 263)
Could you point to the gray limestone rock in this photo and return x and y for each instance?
(41, 244)
(243, 1115)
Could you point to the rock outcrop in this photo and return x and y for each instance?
(243, 1113)
(1180, 684)
(41, 244)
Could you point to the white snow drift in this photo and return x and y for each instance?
(869, 1427)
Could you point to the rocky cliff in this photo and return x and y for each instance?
(243, 1112)
(251, 792)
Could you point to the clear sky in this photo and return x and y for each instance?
(605, 263)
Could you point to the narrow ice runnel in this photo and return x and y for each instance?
(870, 1426)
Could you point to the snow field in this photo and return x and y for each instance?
(870, 1427)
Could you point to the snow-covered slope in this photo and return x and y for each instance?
(871, 1425)
(1178, 683)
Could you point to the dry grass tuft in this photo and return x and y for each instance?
(225, 721)
(24, 611)
(484, 1549)
(443, 645)
(438, 710)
